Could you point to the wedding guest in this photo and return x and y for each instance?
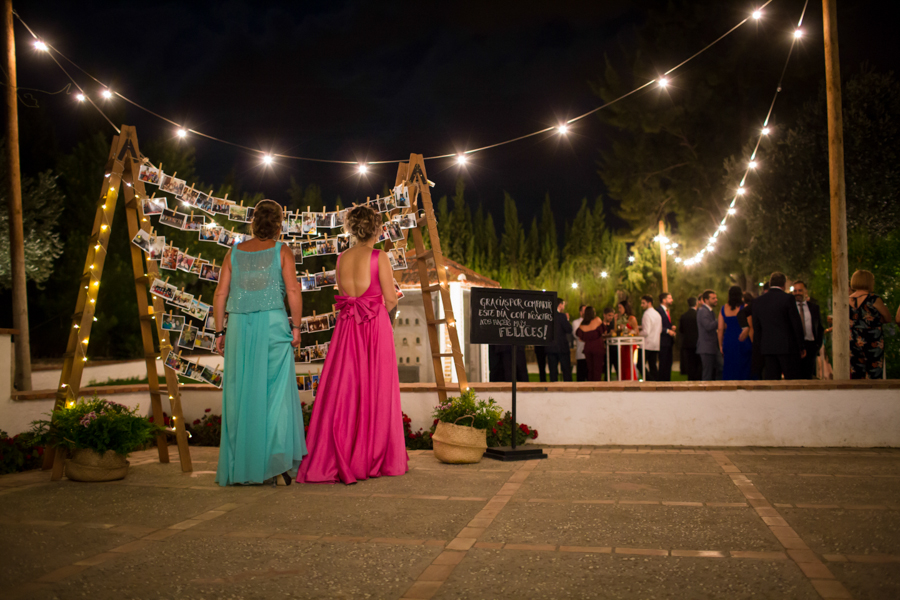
(626, 324)
(745, 320)
(777, 327)
(540, 355)
(651, 329)
(737, 353)
(558, 354)
(262, 423)
(707, 344)
(687, 324)
(590, 331)
(813, 332)
(867, 313)
(666, 337)
(609, 329)
(581, 370)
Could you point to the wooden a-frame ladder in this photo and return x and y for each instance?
(413, 175)
(121, 177)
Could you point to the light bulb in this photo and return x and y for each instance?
(752, 164)
(732, 211)
(39, 45)
(267, 159)
(574, 286)
(461, 159)
(741, 191)
(722, 228)
(710, 248)
(604, 274)
(106, 94)
(765, 131)
(103, 228)
(677, 259)
(564, 129)
(630, 259)
(80, 97)
(663, 82)
(798, 34)
(757, 14)
(182, 133)
(712, 240)
(362, 169)
(84, 359)
(671, 252)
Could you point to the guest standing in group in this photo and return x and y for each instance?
(813, 332)
(867, 313)
(666, 337)
(777, 326)
(707, 340)
(651, 329)
(737, 353)
(559, 359)
(581, 370)
(262, 422)
(687, 325)
(540, 355)
(626, 324)
(745, 320)
(356, 430)
(590, 332)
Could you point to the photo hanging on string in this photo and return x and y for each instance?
(407, 221)
(188, 337)
(210, 232)
(205, 340)
(189, 196)
(339, 218)
(162, 289)
(154, 206)
(172, 219)
(294, 224)
(324, 220)
(174, 362)
(308, 249)
(211, 376)
(325, 247)
(226, 238)
(308, 284)
(181, 299)
(343, 243)
(142, 240)
(198, 310)
(149, 174)
(197, 266)
(171, 185)
(184, 262)
(382, 206)
(308, 224)
(394, 231)
(401, 196)
(297, 251)
(220, 206)
(169, 260)
(398, 259)
(194, 222)
(237, 213)
(209, 272)
(157, 246)
(205, 203)
(172, 322)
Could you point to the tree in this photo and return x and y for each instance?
(512, 245)
(459, 245)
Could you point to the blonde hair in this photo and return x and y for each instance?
(362, 223)
(862, 280)
(267, 217)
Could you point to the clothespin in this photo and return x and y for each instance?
(225, 198)
(174, 174)
(167, 279)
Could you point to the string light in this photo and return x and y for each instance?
(461, 159)
(757, 14)
(604, 274)
(798, 33)
(752, 164)
(39, 45)
(181, 133)
(732, 211)
(574, 286)
(765, 131)
(563, 129)
(80, 97)
(722, 228)
(362, 169)
(631, 259)
(663, 82)
(267, 159)
(106, 94)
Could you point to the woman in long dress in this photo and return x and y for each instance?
(591, 332)
(262, 422)
(626, 324)
(356, 430)
(736, 352)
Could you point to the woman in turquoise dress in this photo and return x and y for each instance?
(262, 422)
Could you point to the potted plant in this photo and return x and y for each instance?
(98, 435)
(461, 432)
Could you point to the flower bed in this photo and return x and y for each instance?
(19, 453)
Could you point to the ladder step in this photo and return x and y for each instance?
(426, 255)
(432, 288)
(444, 354)
(148, 317)
(437, 322)
(145, 279)
(152, 356)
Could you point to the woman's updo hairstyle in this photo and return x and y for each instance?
(267, 217)
(362, 223)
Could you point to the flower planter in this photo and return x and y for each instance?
(90, 465)
(459, 444)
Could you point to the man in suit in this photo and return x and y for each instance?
(777, 325)
(813, 332)
(666, 337)
(707, 335)
(687, 324)
(651, 328)
(558, 357)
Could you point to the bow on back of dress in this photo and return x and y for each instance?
(361, 308)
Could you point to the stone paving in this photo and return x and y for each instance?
(586, 523)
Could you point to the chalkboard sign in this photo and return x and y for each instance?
(512, 317)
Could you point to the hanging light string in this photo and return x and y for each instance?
(562, 129)
(752, 163)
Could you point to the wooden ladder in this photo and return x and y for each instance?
(413, 174)
(121, 177)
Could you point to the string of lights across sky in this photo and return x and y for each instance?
(106, 94)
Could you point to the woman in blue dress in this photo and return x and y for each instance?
(738, 355)
(262, 422)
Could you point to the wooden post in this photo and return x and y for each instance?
(840, 276)
(14, 201)
(662, 256)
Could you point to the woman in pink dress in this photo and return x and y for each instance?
(356, 430)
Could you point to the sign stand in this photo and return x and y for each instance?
(522, 317)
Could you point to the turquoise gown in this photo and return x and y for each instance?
(262, 422)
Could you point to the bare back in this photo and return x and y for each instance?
(354, 272)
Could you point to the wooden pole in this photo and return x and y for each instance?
(14, 201)
(840, 276)
(662, 256)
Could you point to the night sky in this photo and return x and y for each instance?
(370, 81)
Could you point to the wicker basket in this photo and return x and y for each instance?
(90, 465)
(459, 444)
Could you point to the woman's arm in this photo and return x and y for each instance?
(386, 279)
(292, 288)
(885, 315)
(721, 331)
(898, 316)
(220, 300)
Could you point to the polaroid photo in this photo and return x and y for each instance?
(171, 185)
(210, 272)
(173, 361)
(301, 382)
(398, 259)
(162, 289)
(205, 341)
(198, 264)
(210, 232)
(398, 290)
(172, 322)
(308, 249)
(197, 310)
(389, 203)
(189, 196)
(384, 235)
(297, 251)
(302, 355)
(324, 220)
(142, 240)
(316, 324)
(181, 299)
(317, 352)
(343, 243)
(401, 196)
(210, 323)
(324, 247)
(172, 219)
(320, 279)
(308, 224)
(154, 206)
(330, 278)
(332, 320)
(220, 206)
(304, 325)
(408, 221)
(381, 206)
(339, 218)
(239, 238)
(211, 376)
(308, 284)
(250, 212)
(194, 222)
(157, 246)
(237, 213)
(188, 337)
(184, 262)
(204, 202)
(394, 231)
(149, 174)
(169, 259)
(226, 238)
(294, 224)
(191, 370)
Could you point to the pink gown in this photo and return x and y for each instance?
(356, 430)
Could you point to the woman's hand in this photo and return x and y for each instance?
(296, 337)
(220, 345)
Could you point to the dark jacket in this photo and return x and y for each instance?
(687, 329)
(776, 323)
(816, 314)
(665, 340)
(562, 334)
(707, 330)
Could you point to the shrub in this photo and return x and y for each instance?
(205, 431)
(96, 424)
(501, 433)
(484, 413)
(419, 440)
(19, 453)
